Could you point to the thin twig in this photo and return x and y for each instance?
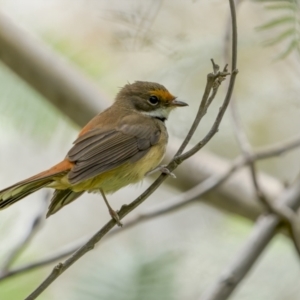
(277, 149)
(223, 108)
(212, 84)
(227, 35)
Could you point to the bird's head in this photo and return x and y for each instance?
(148, 98)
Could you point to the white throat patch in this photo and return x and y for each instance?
(160, 113)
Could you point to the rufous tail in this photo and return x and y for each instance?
(28, 186)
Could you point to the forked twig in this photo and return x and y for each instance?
(213, 83)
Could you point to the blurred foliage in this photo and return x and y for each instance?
(16, 287)
(22, 286)
(31, 113)
(285, 25)
(133, 30)
(142, 277)
(87, 59)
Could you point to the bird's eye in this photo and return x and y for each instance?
(153, 100)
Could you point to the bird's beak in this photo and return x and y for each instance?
(178, 103)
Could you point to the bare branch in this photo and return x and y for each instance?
(58, 81)
(261, 235)
(223, 108)
(212, 85)
(277, 149)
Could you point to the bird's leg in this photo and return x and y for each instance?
(112, 212)
(163, 169)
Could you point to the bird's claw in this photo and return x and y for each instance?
(163, 169)
(115, 216)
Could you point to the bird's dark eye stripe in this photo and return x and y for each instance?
(153, 100)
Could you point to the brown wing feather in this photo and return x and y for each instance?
(100, 150)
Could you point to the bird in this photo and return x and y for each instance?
(118, 147)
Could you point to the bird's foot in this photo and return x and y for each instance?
(113, 213)
(163, 169)
(115, 216)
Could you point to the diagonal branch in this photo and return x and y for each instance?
(52, 77)
(264, 230)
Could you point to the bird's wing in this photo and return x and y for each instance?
(101, 150)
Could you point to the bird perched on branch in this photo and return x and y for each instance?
(116, 148)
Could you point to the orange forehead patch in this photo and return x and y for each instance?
(163, 95)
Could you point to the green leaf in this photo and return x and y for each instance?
(276, 22)
(289, 21)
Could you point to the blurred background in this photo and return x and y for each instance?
(179, 255)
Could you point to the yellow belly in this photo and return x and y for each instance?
(115, 179)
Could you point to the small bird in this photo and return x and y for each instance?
(116, 148)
